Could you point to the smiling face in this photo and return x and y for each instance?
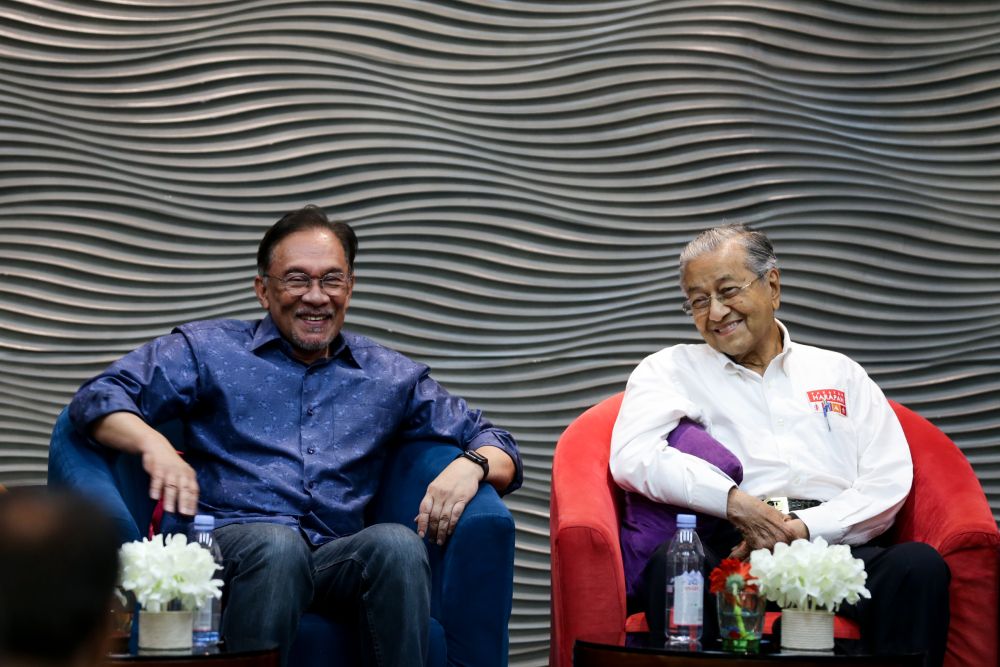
(744, 330)
(311, 321)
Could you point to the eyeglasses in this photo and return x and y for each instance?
(726, 295)
(297, 284)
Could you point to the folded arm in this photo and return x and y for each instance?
(642, 459)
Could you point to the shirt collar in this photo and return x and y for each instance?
(782, 357)
(267, 333)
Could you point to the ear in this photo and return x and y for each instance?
(261, 290)
(774, 285)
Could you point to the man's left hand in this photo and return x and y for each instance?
(446, 499)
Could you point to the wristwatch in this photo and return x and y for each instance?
(478, 459)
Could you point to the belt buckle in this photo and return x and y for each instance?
(779, 503)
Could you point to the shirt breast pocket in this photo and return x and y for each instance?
(839, 436)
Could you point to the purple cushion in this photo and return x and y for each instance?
(647, 524)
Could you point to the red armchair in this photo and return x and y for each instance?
(946, 509)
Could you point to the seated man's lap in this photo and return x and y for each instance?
(265, 560)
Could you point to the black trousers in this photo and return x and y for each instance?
(907, 612)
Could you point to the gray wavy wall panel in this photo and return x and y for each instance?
(522, 176)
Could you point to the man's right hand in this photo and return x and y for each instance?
(761, 525)
(171, 479)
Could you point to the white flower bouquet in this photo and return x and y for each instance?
(809, 575)
(162, 570)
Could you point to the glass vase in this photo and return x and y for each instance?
(741, 620)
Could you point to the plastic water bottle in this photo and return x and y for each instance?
(207, 616)
(685, 585)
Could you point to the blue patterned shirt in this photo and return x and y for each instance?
(272, 439)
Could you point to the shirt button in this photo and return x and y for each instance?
(312, 485)
(311, 450)
(781, 421)
(309, 411)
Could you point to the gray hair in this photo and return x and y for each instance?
(760, 253)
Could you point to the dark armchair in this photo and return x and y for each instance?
(469, 612)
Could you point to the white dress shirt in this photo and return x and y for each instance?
(815, 426)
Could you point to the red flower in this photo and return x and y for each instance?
(720, 581)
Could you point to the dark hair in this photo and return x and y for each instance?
(58, 568)
(760, 253)
(305, 218)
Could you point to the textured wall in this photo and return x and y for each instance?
(522, 176)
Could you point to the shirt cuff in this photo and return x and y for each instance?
(712, 495)
(84, 411)
(488, 438)
(821, 523)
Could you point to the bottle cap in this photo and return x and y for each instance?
(686, 520)
(204, 522)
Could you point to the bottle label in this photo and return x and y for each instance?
(203, 618)
(688, 598)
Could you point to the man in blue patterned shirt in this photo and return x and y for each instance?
(288, 420)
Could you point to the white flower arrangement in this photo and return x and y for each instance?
(161, 570)
(809, 575)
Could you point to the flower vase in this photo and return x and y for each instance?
(741, 620)
(807, 629)
(165, 630)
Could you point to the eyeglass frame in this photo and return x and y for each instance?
(344, 279)
(690, 310)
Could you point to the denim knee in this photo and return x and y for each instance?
(396, 548)
(266, 546)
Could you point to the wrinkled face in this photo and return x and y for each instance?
(312, 320)
(744, 329)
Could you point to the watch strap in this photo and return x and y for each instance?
(478, 459)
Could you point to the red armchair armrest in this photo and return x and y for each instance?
(948, 510)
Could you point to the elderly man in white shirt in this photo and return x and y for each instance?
(805, 423)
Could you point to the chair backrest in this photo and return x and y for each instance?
(584, 453)
(588, 582)
(943, 479)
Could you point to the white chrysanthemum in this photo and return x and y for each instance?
(160, 570)
(810, 575)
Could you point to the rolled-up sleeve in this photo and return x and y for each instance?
(434, 414)
(157, 382)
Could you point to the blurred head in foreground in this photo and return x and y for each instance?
(58, 568)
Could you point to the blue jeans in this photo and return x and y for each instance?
(378, 578)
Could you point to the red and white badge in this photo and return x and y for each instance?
(828, 400)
